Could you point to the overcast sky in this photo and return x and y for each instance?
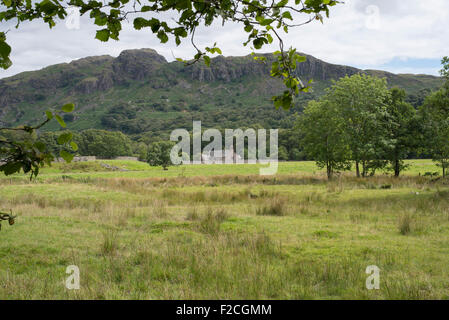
(395, 35)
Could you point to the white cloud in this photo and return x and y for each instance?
(354, 35)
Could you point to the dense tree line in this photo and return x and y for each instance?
(360, 122)
(100, 143)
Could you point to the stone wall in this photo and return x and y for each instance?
(78, 159)
(127, 158)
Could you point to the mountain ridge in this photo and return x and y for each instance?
(157, 93)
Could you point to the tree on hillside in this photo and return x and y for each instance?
(104, 144)
(323, 137)
(159, 154)
(403, 126)
(361, 102)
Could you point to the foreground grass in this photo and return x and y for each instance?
(290, 236)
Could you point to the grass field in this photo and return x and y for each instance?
(224, 232)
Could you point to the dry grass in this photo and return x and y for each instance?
(276, 207)
(229, 237)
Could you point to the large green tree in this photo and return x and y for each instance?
(323, 138)
(361, 102)
(159, 154)
(434, 115)
(403, 128)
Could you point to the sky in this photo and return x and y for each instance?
(393, 35)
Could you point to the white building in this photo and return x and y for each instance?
(221, 156)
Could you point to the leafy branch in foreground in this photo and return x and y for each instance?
(19, 149)
(264, 21)
(445, 70)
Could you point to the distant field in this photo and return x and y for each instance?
(136, 169)
(224, 232)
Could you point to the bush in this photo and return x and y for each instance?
(159, 154)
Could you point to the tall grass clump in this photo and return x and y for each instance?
(109, 245)
(276, 207)
(211, 221)
(404, 224)
(192, 214)
(160, 209)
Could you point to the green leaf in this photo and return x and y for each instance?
(258, 43)
(49, 115)
(266, 22)
(74, 146)
(69, 107)
(300, 58)
(60, 120)
(162, 36)
(101, 19)
(65, 138)
(282, 3)
(287, 15)
(103, 35)
(40, 146)
(140, 23)
(180, 32)
(68, 157)
(5, 63)
(207, 60)
(11, 168)
(5, 50)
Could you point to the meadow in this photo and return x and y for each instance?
(224, 232)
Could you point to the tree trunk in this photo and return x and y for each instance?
(397, 170)
(363, 169)
(329, 172)
(357, 169)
